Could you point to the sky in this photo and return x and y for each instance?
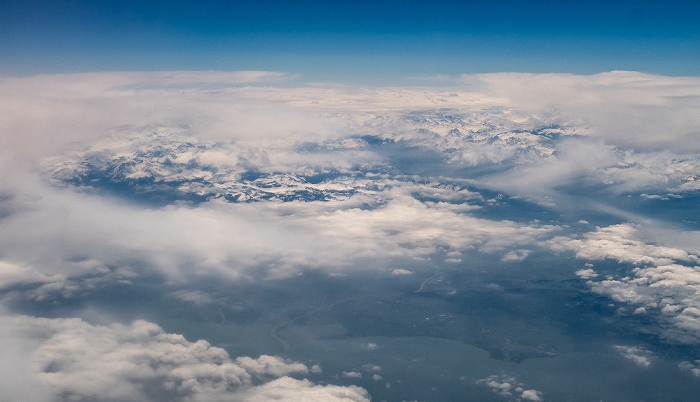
(349, 201)
(351, 40)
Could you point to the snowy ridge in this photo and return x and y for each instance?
(166, 160)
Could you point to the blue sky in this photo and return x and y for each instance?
(350, 40)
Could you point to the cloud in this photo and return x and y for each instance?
(531, 395)
(516, 255)
(637, 355)
(193, 296)
(288, 389)
(72, 234)
(234, 129)
(495, 120)
(18, 380)
(509, 387)
(651, 105)
(586, 273)
(116, 118)
(58, 112)
(621, 131)
(693, 367)
(371, 367)
(621, 242)
(139, 361)
(664, 280)
(607, 169)
(179, 79)
(268, 182)
(13, 274)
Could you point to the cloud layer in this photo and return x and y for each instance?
(117, 178)
(664, 280)
(76, 360)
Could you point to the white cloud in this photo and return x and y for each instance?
(75, 359)
(516, 255)
(264, 125)
(371, 367)
(509, 387)
(586, 273)
(61, 225)
(625, 106)
(18, 381)
(13, 274)
(542, 131)
(57, 111)
(150, 80)
(401, 271)
(693, 367)
(621, 106)
(531, 395)
(638, 355)
(288, 389)
(664, 281)
(621, 242)
(634, 132)
(192, 296)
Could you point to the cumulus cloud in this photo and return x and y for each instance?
(516, 255)
(423, 227)
(586, 273)
(621, 242)
(288, 389)
(77, 360)
(664, 281)
(531, 395)
(510, 387)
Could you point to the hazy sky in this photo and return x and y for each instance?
(374, 41)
